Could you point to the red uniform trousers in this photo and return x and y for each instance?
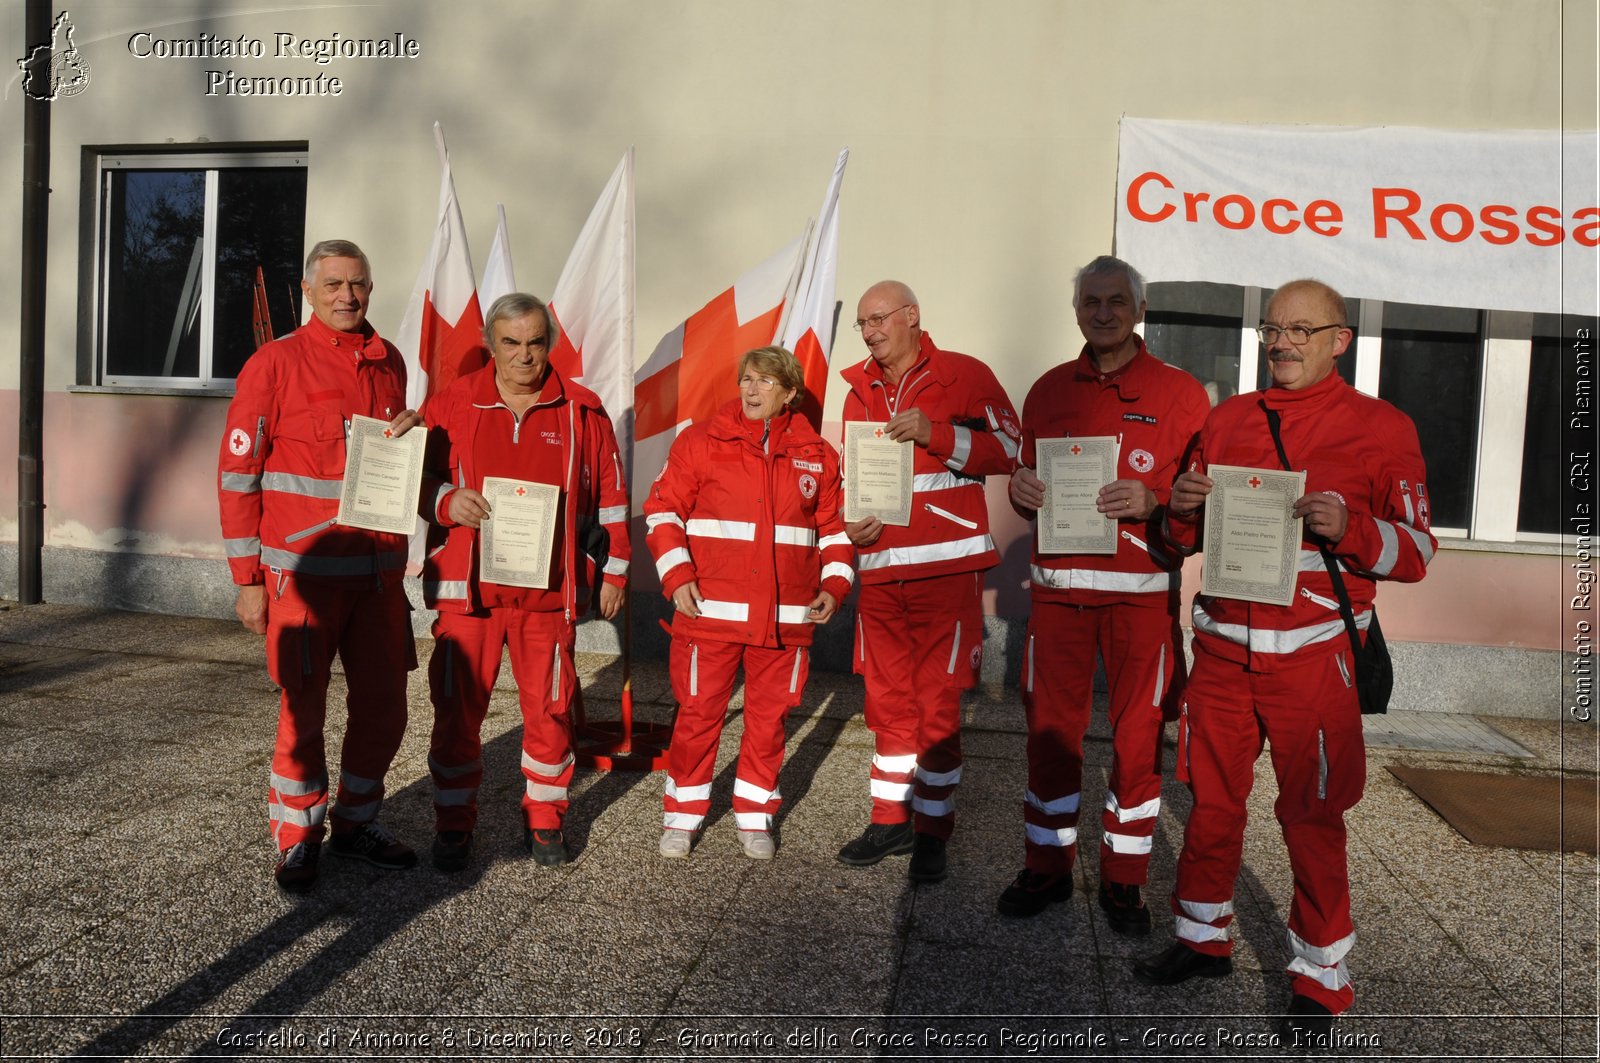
(308, 622)
(919, 644)
(703, 674)
(1310, 715)
(461, 676)
(1140, 645)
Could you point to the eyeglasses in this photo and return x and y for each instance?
(1298, 334)
(877, 320)
(760, 383)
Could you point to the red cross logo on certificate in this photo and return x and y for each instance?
(521, 491)
(1076, 450)
(1254, 482)
(877, 433)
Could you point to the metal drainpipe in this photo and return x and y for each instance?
(35, 245)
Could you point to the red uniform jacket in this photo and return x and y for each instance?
(758, 527)
(1351, 445)
(469, 422)
(1157, 410)
(283, 456)
(975, 434)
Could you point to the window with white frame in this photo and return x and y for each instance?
(199, 262)
(1482, 387)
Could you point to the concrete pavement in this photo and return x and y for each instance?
(142, 921)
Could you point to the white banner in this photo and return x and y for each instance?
(1497, 220)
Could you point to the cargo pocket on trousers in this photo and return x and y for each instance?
(289, 651)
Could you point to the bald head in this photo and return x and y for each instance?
(890, 322)
(1319, 295)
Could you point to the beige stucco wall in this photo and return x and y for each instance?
(983, 140)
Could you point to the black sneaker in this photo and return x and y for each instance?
(1125, 909)
(876, 842)
(1179, 963)
(548, 847)
(927, 859)
(1032, 893)
(374, 844)
(297, 867)
(451, 849)
(1308, 1027)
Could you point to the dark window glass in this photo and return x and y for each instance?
(155, 221)
(1544, 459)
(1196, 326)
(260, 218)
(1433, 371)
(157, 285)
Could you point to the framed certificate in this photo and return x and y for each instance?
(382, 477)
(516, 538)
(1074, 470)
(1252, 546)
(877, 474)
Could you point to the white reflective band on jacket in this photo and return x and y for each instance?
(1071, 579)
(921, 555)
(1267, 640)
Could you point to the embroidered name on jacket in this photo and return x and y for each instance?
(808, 466)
(1142, 418)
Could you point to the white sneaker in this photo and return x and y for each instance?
(758, 844)
(675, 844)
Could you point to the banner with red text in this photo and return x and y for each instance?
(1504, 220)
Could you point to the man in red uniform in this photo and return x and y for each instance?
(1124, 604)
(919, 620)
(517, 419)
(312, 586)
(1284, 673)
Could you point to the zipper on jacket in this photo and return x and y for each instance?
(1344, 669)
(1326, 603)
(1136, 541)
(1322, 765)
(947, 515)
(261, 435)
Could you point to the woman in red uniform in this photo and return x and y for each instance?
(745, 529)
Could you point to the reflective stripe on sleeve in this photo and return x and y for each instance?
(613, 514)
(243, 482)
(243, 547)
(961, 449)
(671, 560)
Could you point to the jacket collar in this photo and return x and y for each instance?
(1128, 380)
(364, 344)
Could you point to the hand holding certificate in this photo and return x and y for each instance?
(877, 474)
(516, 540)
(1252, 540)
(1074, 470)
(382, 477)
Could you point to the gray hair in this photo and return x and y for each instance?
(1106, 265)
(336, 249)
(520, 304)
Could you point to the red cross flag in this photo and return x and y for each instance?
(441, 335)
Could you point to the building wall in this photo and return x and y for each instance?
(983, 156)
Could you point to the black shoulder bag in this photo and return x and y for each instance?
(1374, 669)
